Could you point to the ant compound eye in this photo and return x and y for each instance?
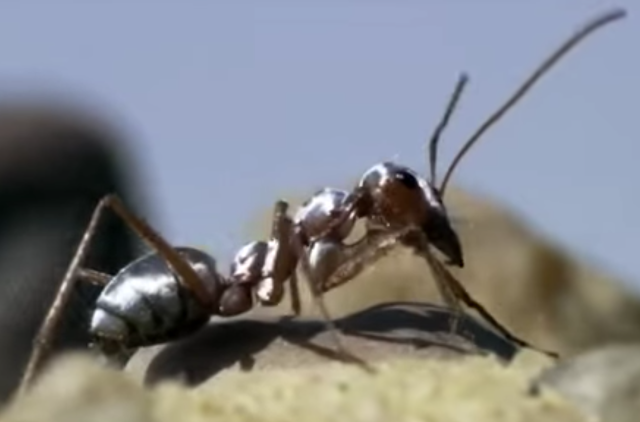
(407, 179)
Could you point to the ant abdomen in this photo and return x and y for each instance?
(145, 303)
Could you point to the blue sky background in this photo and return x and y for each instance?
(232, 103)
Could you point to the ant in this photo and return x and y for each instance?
(173, 291)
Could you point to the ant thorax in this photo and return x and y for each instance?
(324, 207)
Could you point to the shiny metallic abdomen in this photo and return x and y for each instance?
(145, 304)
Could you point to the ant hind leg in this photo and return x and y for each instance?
(44, 338)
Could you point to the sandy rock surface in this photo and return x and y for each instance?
(469, 388)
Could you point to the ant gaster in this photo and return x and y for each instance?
(171, 292)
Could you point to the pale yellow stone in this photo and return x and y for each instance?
(407, 390)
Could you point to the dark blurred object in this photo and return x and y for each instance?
(55, 164)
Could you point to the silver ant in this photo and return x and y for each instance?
(173, 291)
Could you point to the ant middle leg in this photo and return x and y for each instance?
(282, 261)
(316, 294)
(287, 251)
(94, 277)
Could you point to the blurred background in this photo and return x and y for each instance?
(200, 116)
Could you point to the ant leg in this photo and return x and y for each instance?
(316, 293)
(464, 295)
(283, 231)
(374, 246)
(188, 275)
(294, 292)
(450, 294)
(456, 288)
(280, 263)
(360, 255)
(43, 339)
(94, 277)
(417, 241)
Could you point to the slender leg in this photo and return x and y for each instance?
(50, 324)
(360, 255)
(449, 294)
(316, 293)
(367, 251)
(464, 295)
(294, 292)
(373, 247)
(287, 259)
(43, 340)
(187, 274)
(94, 277)
(458, 291)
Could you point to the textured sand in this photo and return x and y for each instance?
(466, 389)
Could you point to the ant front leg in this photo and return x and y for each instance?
(458, 294)
(450, 289)
(188, 276)
(378, 243)
(280, 262)
(353, 259)
(340, 263)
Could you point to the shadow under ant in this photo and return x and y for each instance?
(221, 345)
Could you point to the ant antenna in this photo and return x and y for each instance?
(444, 121)
(579, 35)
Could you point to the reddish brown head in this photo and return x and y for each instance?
(399, 197)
